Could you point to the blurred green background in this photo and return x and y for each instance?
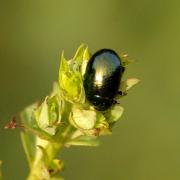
(145, 144)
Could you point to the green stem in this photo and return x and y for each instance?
(51, 150)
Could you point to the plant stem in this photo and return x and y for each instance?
(38, 169)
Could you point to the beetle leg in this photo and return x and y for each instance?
(123, 69)
(122, 93)
(115, 102)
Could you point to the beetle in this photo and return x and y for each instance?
(102, 78)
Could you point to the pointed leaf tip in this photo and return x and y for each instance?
(131, 82)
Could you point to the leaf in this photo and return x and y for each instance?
(42, 118)
(101, 121)
(81, 58)
(114, 113)
(55, 90)
(48, 115)
(86, 58)
(79, 55)
(55, 110)
(64, 67)
(70, 81)
(131, 82)
(84, 141)
(125, 59)
(83, 119)
(29, 145)
(27, 115)
(29, 122)
(86, 55)
(125, 86)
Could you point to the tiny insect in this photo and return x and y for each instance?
(102, 78)
(12, 124)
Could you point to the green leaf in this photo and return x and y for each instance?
(56, 90)
(70, 81)
(71, 84)
(48, 115)
(53, 110)
(125, 59)
(29, 144)
(30, 123)
(27, 115)
(83, 119)
(64, 67)
(101, 121)
(114, 113)
(127, 85)
(42, 118)
(131, 82)
(84, 141)
(86, 57)
(79, 55)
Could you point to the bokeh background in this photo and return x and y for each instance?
(145, 144)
